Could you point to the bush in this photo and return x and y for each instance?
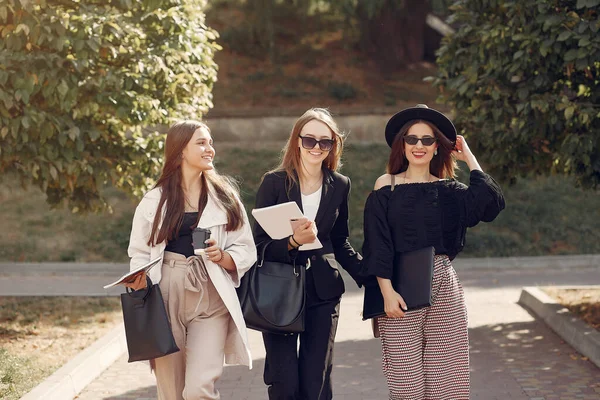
(524, 79)
(83, 84)
(341, 91)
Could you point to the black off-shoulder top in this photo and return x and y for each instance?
(417, 215)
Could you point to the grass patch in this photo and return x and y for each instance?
(341, 91)
(544, 216)
(583, 302)
(40, 334)
(33, 232)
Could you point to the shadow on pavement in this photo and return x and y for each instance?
(356, 374)
(525, 360)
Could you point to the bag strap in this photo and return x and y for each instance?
(261, 260)
(147, 289)
(262, 254)
(251, 295)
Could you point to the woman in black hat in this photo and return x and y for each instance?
(418, 203)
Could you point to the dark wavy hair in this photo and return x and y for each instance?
(221, 187)
(443, 165)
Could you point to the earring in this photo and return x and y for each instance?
(435, 152)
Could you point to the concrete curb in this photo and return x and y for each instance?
(71, 378)
(573, 330)
(574, 261)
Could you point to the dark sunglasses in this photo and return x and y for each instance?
(427, 140)
(309, 143)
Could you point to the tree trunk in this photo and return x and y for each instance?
(395, 35)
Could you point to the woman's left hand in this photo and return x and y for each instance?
(213, 252)
(462, 151)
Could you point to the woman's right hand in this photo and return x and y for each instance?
(138, 283)
(305, 233)
(394, 305)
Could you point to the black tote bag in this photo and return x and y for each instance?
(147, 326)
(272, 296)
(412, 278)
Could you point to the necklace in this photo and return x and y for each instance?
(308, 188)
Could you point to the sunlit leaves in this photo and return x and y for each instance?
(83, 85)
(524, 79)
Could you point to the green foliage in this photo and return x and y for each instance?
(524, 79)
(390, 32)
(371, 8)
(543, 215)
(341, 90)
(268, 27)
(18, 374)
(84, 84)
(264, 22)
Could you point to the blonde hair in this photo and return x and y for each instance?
(290, 155)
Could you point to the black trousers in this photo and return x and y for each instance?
(304, 374)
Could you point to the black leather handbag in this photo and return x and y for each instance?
(147, 326)
(272, 296)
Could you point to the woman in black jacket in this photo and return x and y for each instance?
(307, 175)
(417, 204)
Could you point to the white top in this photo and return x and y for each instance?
(310, 204)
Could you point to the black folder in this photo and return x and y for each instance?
(412, 278)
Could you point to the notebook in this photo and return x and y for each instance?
(277, 222)
(412, 278)
(130, 276)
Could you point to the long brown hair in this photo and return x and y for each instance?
(290, 159)
(220, 187)
(443, 165)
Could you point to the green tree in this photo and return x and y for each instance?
(524, 79)
(392, 32)
(84, 84)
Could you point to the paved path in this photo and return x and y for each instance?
(75, 279)
(513, 356)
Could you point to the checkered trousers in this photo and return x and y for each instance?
(425, 354)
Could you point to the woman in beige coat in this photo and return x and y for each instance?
(199, 291)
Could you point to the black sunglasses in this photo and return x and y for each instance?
(427, 140)
(310, 142)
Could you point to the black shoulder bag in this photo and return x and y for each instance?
(272, 296)
(147, 326)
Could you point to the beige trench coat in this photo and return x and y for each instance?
(239, 244)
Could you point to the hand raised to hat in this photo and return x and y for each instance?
(461, 149)
(462, 152)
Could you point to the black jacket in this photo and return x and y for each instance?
(332, 226)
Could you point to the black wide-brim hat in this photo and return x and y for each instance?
(421, 111)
